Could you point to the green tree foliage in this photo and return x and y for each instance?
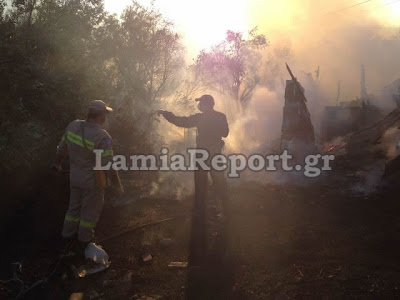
(233, 66)
(148, 58)
(56, 56)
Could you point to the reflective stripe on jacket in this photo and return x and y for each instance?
(80, 150)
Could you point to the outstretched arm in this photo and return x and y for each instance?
(185, 122)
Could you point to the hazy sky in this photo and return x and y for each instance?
(203, 23)
(338, 35)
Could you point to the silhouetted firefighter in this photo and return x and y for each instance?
(297, 130)
(211, 126)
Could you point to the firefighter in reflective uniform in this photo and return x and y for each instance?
(211, 126)
(87, 186)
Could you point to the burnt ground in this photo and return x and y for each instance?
(317, 241)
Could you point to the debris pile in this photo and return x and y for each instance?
(360, 141)
(368, 151)
(350, 116)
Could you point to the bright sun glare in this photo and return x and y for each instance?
(202, 23)
(393, 10)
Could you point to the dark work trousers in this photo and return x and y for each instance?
(198, 235)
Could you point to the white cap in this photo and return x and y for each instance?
(100, 105)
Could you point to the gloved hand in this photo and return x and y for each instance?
(163, 113)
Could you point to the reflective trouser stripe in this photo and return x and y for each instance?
(72, 218)
(89, 225)
(83, 213)
(107, 153)
(81, 222)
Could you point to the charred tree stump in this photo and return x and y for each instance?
(297, 129)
